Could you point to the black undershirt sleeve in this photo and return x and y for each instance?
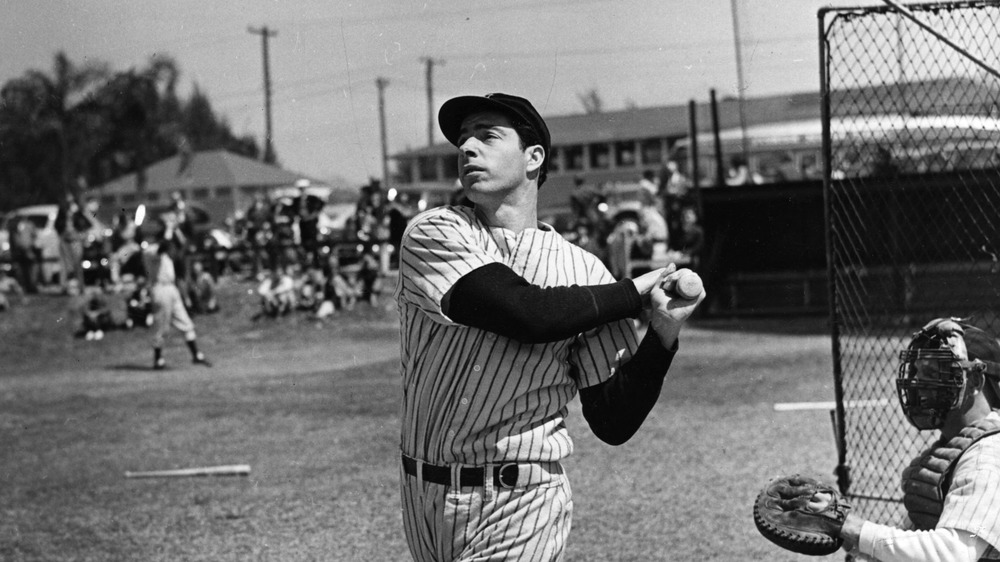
(495, 298)
(617, 407)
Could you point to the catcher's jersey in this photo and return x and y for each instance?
(973, 500)
(475, 397)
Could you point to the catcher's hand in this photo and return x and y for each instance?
(801, 514)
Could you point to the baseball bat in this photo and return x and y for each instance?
(688, 286)
(225, 470)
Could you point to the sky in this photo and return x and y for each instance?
(327, 55)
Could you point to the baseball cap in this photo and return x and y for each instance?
(455, 110)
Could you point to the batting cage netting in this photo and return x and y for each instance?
(911, 111)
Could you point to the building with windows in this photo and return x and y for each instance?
(218, 181)
(611, 146)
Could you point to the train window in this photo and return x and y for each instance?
(404, 171)
(553, 158)
(600, 156)
(652, 151)
(573, 157)
(625, 154)
(449, 167)
(427, 167)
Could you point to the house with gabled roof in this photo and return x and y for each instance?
(219, 181)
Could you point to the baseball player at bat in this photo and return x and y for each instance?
(168, 305)
(948, 380)
(502, 323)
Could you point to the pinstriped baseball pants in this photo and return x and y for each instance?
(487, 524)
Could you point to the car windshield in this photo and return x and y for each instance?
(38, 220)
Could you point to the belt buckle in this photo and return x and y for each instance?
(502, 480)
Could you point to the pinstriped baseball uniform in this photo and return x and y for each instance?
(973, 500)
(472, 397)
(972, 507)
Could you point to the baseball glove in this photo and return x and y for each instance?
(801, 514)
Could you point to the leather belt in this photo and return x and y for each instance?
(504, 475)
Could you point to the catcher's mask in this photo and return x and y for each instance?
(934, 372)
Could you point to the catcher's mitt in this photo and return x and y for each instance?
(801, 514)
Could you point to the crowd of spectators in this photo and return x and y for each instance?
(656, 217)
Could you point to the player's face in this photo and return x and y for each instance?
(491, 160)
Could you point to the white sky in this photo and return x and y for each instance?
(328, 54)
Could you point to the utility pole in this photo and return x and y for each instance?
(266, 34)
(430, 62)
(740, 86)
(381, 83)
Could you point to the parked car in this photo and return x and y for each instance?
(44, 218)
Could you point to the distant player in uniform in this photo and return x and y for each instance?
(948, 380)
(503, 322)
(168, 305)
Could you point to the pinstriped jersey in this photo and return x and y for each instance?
(973, 500)
(475, 397)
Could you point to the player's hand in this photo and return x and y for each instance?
(668, 312)
(646, 282)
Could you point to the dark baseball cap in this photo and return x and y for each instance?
(455, 110)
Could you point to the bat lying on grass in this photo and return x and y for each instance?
(225, 470)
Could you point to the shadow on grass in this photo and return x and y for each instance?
(134, 367)
(792, 325)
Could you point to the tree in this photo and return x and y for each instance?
(40, 131)
(85, 125)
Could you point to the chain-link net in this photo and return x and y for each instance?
(913, 195)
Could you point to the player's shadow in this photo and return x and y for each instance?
(132, 367)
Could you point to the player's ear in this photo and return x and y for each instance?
(534, 155)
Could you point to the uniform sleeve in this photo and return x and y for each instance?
(972, 500)
(437, 249)
(599, 353)
(888, 544)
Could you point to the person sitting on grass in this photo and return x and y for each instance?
(10, 290)
(277, 294)
(202, 290)
(309, 289)
(95, 314)
(338, 292)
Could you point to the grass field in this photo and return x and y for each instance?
(313, 409)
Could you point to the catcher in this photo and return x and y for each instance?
(948, 380)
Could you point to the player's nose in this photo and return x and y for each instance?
(469, 147)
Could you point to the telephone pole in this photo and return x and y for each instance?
(266, 34)
(430, 62)
(381, 83)
(740, 86)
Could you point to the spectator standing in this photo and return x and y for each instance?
(693, 236)
(258, 218)
(309, 211)
(648, 182)
(25, 253)
(674, 187)
(71, 225)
